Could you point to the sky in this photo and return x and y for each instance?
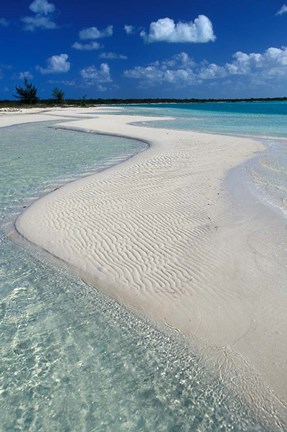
(152, 49)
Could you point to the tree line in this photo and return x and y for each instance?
(27, 95)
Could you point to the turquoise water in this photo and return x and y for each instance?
(270, 108)
(256, 118)
(72, 359)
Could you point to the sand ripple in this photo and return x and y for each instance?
(158, 233)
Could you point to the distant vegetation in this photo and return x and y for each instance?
(58, 95)
(91, 102)
(27, 96)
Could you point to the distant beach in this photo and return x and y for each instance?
(173, 234)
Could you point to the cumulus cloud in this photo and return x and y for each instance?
(4, 22)
(40, 22)
(43, 18)
(272, 62)
(56, 64)
(177, 69)
(178, 60)
(94, 33)
(129, 29)
(91, 75)
(42, 7)
(166, 30)
(86, 46)
(210, 71)
(267, 68)
(112, 56)
(155, 74)
(25, 75)
(282, 10)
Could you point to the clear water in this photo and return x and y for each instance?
(72, 359)
(259, 119)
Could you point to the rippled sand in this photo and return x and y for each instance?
(162, 234)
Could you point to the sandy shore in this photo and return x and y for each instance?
(165, 234)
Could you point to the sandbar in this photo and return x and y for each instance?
(165, 234)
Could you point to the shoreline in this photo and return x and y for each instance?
(207, 234)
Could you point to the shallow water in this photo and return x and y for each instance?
(268, 173)
(72, 359)
(258, 119)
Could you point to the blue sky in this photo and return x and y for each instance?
(159, 48)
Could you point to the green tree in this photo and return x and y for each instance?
(58, 95)
(83, 100)
(27, 94)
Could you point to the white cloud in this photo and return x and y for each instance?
(94, 33)
(166, 30)
(178, 70)
(182, 59)
(86, 46)
(267, 68)
(129, 29)
(91, 75)
(43, 18)
(40, 22)
(56, 64)
(26, 74)
(4, 22)
(155, 75)
(273, 62)
(211, 71)
(282, 10)
(42, 7)
(112, 56)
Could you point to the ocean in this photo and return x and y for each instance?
(241, 118)
(75, 360)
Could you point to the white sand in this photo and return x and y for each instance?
(11, 117)
(161, 233)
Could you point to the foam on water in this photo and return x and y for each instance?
(71, 359)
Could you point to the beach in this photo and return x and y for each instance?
(169, 234)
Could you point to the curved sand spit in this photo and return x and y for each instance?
(161, 234)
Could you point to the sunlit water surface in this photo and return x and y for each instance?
(71, 359)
